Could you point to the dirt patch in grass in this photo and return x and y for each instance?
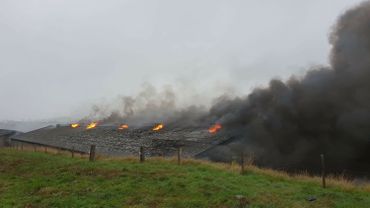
(11, 165)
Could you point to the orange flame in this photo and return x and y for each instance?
(123, 127)
(215, 128)
(92, 125)
(158, 127)
(75, 125)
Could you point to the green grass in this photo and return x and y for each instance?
(29, 179)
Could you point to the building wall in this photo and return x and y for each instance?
(5, 141)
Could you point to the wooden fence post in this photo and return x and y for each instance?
(323, 174)
(22, 146)
(242, 163)
(45, 149)
(92, 153)
(73, 152)
(34, 148)
(142, 154)
(179, 151)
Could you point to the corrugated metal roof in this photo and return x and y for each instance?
(111, 141)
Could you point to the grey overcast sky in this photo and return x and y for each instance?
(57, 56)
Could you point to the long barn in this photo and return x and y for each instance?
(109, 140)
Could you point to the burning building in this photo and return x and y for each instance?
(110, 140)
(286, 125)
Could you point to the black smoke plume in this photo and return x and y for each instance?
(289, 124)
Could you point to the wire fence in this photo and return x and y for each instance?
(27, 145)
(241, 159)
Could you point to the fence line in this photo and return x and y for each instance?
(73, 150)
(239, 159)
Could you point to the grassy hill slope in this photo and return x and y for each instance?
(35, 179)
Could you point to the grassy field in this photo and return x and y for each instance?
(35, 179)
